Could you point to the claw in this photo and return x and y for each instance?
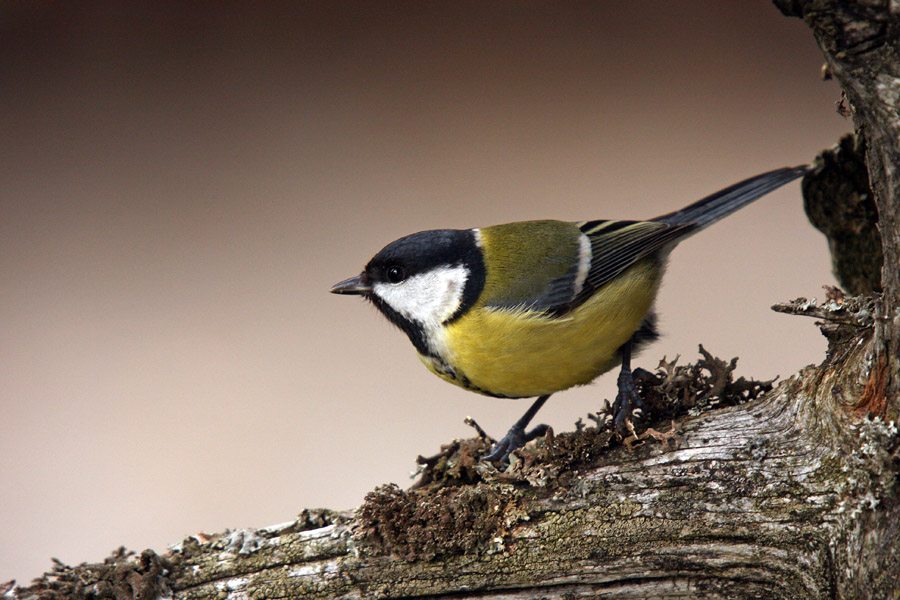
(515, 438)
(628, 404)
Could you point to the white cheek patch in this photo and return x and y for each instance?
(427, 298)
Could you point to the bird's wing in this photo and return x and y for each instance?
(616, 246)
(538, 275)
(572, 261)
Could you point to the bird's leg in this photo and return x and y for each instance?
(628, 402)
(517, 437)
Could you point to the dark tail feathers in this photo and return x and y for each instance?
(724, 202)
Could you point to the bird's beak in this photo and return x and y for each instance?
(354, 285)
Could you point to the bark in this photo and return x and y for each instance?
(839, 202)
(861, 44)
(791, 495)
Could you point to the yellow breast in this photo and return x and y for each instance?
(517, 353)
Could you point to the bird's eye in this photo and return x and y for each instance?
(396, 274)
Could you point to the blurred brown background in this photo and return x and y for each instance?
(181, 183)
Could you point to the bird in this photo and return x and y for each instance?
(531, 308)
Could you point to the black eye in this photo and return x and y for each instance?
(395, 274)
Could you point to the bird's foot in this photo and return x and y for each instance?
(628, 405)
(514, 439)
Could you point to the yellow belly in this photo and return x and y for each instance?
(520, 354)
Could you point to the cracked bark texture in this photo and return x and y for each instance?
(795, 495)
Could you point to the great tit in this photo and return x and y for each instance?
(535, 307)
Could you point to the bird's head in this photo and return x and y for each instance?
(422, 281)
